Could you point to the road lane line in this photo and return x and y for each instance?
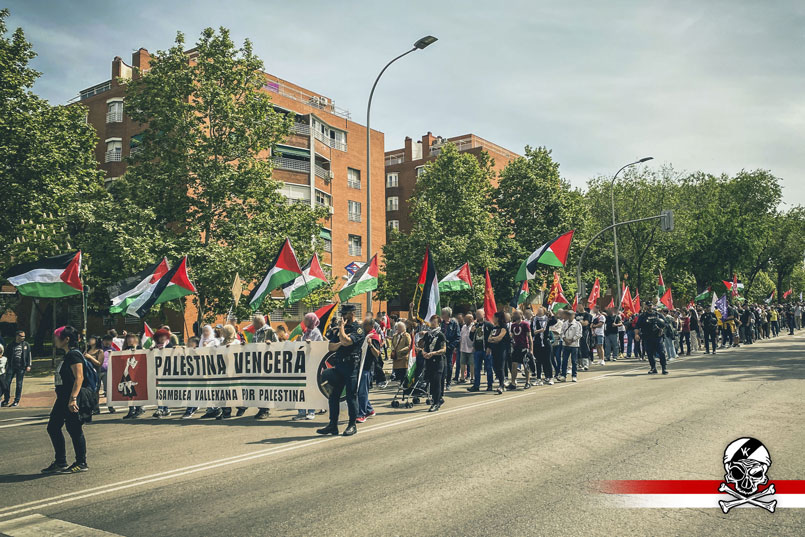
(187, 470)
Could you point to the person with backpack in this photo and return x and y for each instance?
(651, 331)
(74, 402)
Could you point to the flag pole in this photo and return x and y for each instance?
(184, 319)
(472, 290)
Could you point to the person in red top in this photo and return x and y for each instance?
(521, 346)
(684, 335)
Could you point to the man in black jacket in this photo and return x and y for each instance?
(19, 363)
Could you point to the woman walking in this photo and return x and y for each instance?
(400, 351)
(499, 342)
(310, 332)
(94, 355)
(74, 402)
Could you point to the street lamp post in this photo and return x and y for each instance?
(615, 229)
(419, 45)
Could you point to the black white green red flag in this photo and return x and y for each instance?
(284, 269)
(521, 295)
(363, 281)
(553, 253)
(312, 278)
(51, 277)
(126, 291)
(172, 285)
(325, 315)
(458, 280)
(429, 303)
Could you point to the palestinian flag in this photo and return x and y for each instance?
(147, 339)
(521, 295)
(363, 281)
(325, 315)
(703, 296)
(429, 300)
(771, 296)
(248, 331)
(312, 278)
(51, 277)
(667, 300)
(125, 291)
(553, 253)
(490, 307)
(627, 305)
(172, 285)
(660, 286)
(595, 294)
(636, 302)
(284, 269)
(458, 280)
(559, 301)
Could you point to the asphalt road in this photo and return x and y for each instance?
(521, 463)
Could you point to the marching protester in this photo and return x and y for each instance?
(400, 351)
(612, 325)
(598, 326)
(571, 335)
(346, 341)
(585, 352)
(651, 331)
(482, 353)
(19, 363)
(94, 354)
(709, 323)
(132, 342)
(452, 335)
(230, 338)
(310, 332)
(263, 333)
(684, 334)
(499, 342)
(106, 346)
(556, 342)
(521, 349)
(465, 350)
(73, 406)
(373, 350)
(3, 366)
(541, 337)
(434, 350)
(162, 340)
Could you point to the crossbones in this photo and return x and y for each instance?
(726, 506)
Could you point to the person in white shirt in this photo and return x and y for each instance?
(556, 348)
(598, 325)
(466, 349)
(571, 336)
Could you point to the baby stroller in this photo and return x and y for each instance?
(413, 387)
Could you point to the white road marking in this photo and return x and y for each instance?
(299, 444)
(42, 526)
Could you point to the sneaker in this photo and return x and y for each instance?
(490, 389)
(447, 388)
(549, 382)
(299, 417)
(652, 371)
(574, 379)
(157, 414)
(664, 371)
(4, 403)
(473, 389)
(224, 415)
(384, 385)
(139, 412)
(371, 414)
(561, 379)
(262, 414)
(538, 382)
(54, 468)
(311, 416)
(431, 409)
(527, 385)
(511, 387)
(499, 391)
(130, 415)
(362, 419)
(112, 410)
(15, 403)
(188, 414)
(585, 368)
(75, 468)
(210, 414)
(241, 411)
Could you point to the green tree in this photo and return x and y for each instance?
(533, 205)
(786, 247)
(450, 211)
(202, 180)
(53, 196)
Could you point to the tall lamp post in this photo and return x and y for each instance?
(615, 229)
(419, 45)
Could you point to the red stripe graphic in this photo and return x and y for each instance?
(671, 486)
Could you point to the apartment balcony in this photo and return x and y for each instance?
(329, 142)
(323, 173)
(391, 160)
(302, 129)
(293, 165)
(115, 116)
(113, 155)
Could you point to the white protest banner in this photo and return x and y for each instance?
(268, 375)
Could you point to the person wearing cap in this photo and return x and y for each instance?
(346, 341)
(162, 340)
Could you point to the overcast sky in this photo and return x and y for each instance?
(702, 85)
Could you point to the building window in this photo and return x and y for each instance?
(114, 111)
(394, 224)
(354, 211)
(355, 245)
(114, 149)
(323, 199)
(420, 170)
(296, 193)
(393, 203)
(392, 180)
(353, 178)
(328, 245)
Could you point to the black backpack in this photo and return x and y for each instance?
(710, 321)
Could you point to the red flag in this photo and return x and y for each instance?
(489, 299)
(667, 300)
(727, 284)
(595, 294)
(626, 301)
(611, 303)
(556, 288)
(787, 293)
(636, 302)
(576, 302)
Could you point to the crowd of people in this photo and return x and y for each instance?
(522, 348)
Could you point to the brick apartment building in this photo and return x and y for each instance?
(322, 163)
(403, 166)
